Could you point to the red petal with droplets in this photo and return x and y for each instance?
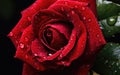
(87, 32)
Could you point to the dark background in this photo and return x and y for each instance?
(9, 16)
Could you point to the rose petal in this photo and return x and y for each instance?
(38, 49)
(23, 50)
(63, 28)
(41, 53)
(92, 5)
(42, 18)
(69, 46)
(26, 19)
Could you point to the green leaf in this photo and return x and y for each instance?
(110, 26)
(108, 60)
(116, 1)
(107, 9)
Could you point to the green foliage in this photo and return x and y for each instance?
(108, 60)
(107, 9)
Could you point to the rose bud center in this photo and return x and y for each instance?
(56, 36)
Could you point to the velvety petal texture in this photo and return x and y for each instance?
(58, 37)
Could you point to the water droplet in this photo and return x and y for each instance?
(111, 44)
(44, 58)
(26, 39)
(11, 34)
(26, 56)
(115, 70)
(61, 48)
(50, 54)
(111, 19)
(89, 20)
(16, 41)
(66, 3)
(101, 28)
(83, 8)
(21, 45)
(61, 55)
(35, 55)
(72, 12)
(106, 61)
(112, 63)
(62, 62)
(29, 19)
(76, 6)
(97, 35)
(68, 15)
(117, 64)
(62, 8)
(84, 18)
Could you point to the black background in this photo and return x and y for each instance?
(9, 16)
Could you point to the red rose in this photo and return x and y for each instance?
(58, 37)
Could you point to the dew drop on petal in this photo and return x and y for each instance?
(89, 20)
(97, 35)
(21, 45)
(61, 48)
(11, 34)
(61, 55)
(76, 6)
(83, 8)
(62, 8)
(49, 54)
(26, 56)
(44, 58)
(35, 55)
(66, 3)
(16, 41)
(29, 19)
(26, 39)
(63, 62)
(84, 18)
(68, 15)
(72, 12)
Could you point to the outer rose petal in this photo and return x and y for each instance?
(25, 20)
(92, 5)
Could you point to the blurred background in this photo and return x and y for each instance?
(9, 16)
